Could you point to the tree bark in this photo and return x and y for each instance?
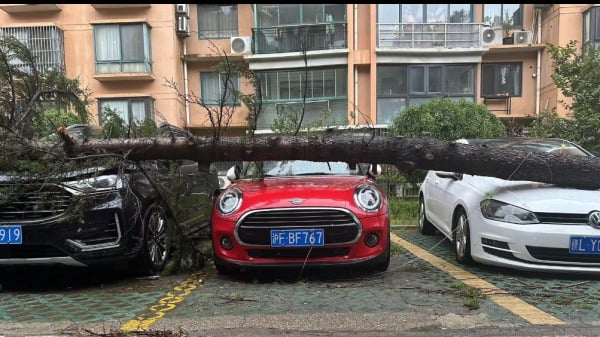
(405, 153)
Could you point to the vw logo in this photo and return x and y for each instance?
(299, 201)
(594, 219)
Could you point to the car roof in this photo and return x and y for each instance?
(526, 143)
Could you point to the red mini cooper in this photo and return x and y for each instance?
(300, 213)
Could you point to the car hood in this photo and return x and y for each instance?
(538, 197)
(304, 191)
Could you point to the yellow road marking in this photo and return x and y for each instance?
(513, 304)
(156, 311)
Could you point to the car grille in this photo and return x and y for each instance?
(30, 202)
(562, 218)
(339, 226)
(561, 254)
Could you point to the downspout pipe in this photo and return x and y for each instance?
(185, 83)
(355, 48)
(538, 80)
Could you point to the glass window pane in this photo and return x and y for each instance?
(391, 80)
(138, 111)
(107, 43)
(132, 42)
(437, 13)
(296, 84)
(389, 108)
(417, 79)
(341, 83)
(460, 13)
(460, 79)
(513, 12)
(329, 82)
(502, 79)
(388, 13)
(312, 13)
(435, 79)
(492, 14)
(586, 26)
(120, 107)
(267, 15)
(289, 14)
(412, 13)
(210, 88)
(215, 21)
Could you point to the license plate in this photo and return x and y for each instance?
(584, 245)
(297, 237)
(11, 235)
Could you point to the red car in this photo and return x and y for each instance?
(301, 214)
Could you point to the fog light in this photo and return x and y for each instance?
(226, 243)
(371, 240)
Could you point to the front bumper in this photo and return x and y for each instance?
(96, 229)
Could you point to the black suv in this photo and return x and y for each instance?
(106, 214)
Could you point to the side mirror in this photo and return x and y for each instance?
(375, 170)
(234, 173)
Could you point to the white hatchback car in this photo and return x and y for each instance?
(518, 224)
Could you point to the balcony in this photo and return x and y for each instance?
(46, 44)
(285, 39)
(428, 35)
(120, 6)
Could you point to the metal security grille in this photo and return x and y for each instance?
(46, 44)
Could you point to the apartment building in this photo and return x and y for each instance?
(363, 63)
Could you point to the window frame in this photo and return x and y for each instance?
(423, 11)
(514, 25)
(147, 59)
(591, 28)
(497, 70)
(234, 101)
(219, 32)
(148, 107)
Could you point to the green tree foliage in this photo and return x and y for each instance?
(27, 91)
(577, 75)
(446, 119)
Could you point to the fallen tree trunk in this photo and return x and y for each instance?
(405, 153)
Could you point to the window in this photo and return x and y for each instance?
(129, 109)
(122, 48)
(424, 13)
(269, 15)
(217, 21)
(497, 14)
(213, 85)
(501, 79)
(591, 28)
(44, 42)
(326, 94)
(400, 86)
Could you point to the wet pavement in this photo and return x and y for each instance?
(411, 295)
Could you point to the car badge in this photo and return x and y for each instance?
(594, 219)
(300, 201)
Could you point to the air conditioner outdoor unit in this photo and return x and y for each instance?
(523, 37)
(182, 26)
(182, 9)
(241, 44)
(491, 36)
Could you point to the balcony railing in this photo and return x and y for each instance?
(46, 43)
(284, 39)
(428, 35)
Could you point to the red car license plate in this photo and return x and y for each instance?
(297, 237)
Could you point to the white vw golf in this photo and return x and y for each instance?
(518, 224)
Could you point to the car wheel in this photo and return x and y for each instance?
(425, 226)
(156, 248)
(462, 239)
(221, 267)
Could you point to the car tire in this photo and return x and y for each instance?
(156, 247)
(383, 266)
(221, 267)
(425, 226)
(462, 239)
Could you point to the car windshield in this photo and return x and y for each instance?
(554, 146)
(298, 168)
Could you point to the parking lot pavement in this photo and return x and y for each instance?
(412, 294)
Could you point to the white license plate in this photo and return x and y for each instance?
(584, 245)
(11, 235)
(297, 237)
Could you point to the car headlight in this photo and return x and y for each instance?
(501, 211)
(367, 198)
(99, 183)
(229, 201)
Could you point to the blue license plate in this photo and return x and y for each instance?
(11, 235)
(584, 245)
(297, 237)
